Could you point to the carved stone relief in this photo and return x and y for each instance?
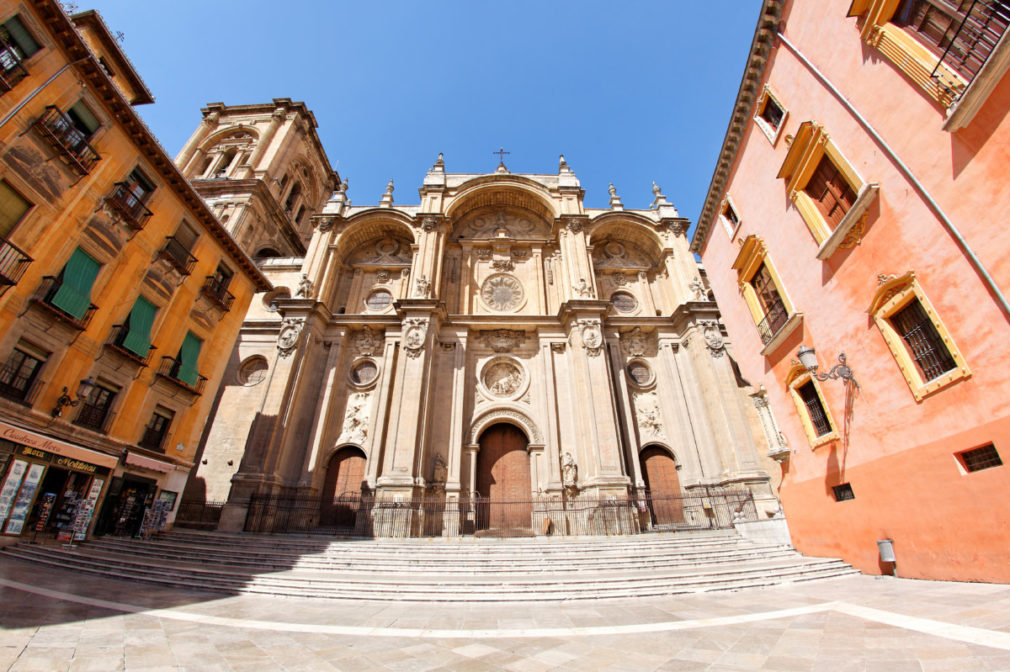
(305, 289)
(414, 334)
(592, 336)
(355, 427)
(713, 338)
(647, 414)
(583, 290)
(503, 340)
(635, 342)
(614, 254)
(500, 224)
(287, 339)
(503, 378)
(502, 292)
(502, 265)
(422, 287)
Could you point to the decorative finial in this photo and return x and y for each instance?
(656, 191)
(615, 200)
(342, 188)
(660, 202)
(440, 161)
(389, 187)
(501, 159)
(387, 198)
(562, 164)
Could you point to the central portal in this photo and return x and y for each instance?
(503, 480)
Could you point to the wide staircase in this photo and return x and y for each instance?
(456, 570)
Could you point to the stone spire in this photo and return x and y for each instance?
(615, 200)
(387, 198)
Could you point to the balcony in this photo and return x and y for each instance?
(128, 206)
(154, 438)
(971, 42)
(216, 289)
(12, 70)
(775, 319)
(96, 417)
(176, 254)
(67, 139)
(169, 370)
(17, 387)
(47, 293)
(119, 334)
(13, 264)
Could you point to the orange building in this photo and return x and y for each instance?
(121, 293)
(851, 211)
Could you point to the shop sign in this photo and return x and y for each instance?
(66, 450)
(10, 487)
(24, 499)
(87, 508)
(65, 462)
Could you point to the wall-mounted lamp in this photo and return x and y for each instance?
(808, 358)
(84, 389)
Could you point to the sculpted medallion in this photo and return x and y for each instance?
(503, 378)
(502, 292)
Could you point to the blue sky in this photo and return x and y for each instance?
(630, 92)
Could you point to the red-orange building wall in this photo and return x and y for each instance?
(900, 455)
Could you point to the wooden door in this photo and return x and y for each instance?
(342, 488)
(660, 472)
(503, 478)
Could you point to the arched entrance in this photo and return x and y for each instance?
(660, 473)
(503, 480)
(345, 474)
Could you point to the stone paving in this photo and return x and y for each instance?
(56, 620)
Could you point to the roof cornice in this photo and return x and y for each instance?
(750, 87)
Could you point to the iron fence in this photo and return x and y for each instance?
(440, 516)
(199, 515)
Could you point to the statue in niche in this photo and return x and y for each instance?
(422, 287)
(438, 471)
(569, 473)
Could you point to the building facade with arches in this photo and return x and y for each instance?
(497, 339)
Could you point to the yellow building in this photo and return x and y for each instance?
(122, 292)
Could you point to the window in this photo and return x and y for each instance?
(186, 361)
(19, 373)
(769, 115)
(157, 429)
(226, 160)
(216, 287)
(289, 204)
(978, 459)
(13, 207)
(843, 492)
(95, 412)
(830, 197)
(920, 343)
(730, 220)
(70, 292)
(762, 290)
(135, 334)
(68, 132)
(83, 119)
(16, 38)
(177, 249)
(811, 407)
(129, 197)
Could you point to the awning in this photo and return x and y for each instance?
(49, 444)
(149, 463)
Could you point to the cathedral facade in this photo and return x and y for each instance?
(498, 339)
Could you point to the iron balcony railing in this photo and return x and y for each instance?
(119, 334)
(97, 418)
(177, 255)
(12, 70)
(67, 139)
(216, 289)
(44, 297)
(971, 42)
(774, 320)
(17, 387)
(154, 438)
(128, 206)
(13, 263)
(169, 369)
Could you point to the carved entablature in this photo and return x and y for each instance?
(503, 340)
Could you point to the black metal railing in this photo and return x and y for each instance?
(169, 369)
(12, 70)
(47, 292)
(971, 42)
(125, 203)
(154, 437)
(773, 322)
(18, 387)
(67, 139)
(116, 342)
(216, 289)
(13, 263)
(96, 417)
(178, 255)
(437, 516)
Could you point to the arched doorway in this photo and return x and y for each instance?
(342, 488)
(503, 480)
(666, 498)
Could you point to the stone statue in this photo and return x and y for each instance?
(698, 287)
(304, 287)
(583, 289)
(438, 471)
(569, 473)
(422, 287)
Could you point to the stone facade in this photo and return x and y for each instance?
(407, 334)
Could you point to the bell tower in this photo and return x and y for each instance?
(263, 171)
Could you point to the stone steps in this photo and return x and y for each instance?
(507, 571)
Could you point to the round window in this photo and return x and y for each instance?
(639, 372)
(623, 302)
(364, 372)
(379, 300)
(252, 371)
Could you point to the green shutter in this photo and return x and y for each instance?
(21, 37)
(74, 294)
(12, 208)
(138, 336)
(188, 354)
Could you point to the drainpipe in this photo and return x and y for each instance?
(944, 220)
(10, 115)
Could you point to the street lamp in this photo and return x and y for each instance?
(808, 358)
(84, 389)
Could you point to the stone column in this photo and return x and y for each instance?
(626, 409)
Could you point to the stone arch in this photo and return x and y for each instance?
(343, 485)
(502, 191)
(628, 229)
(659, 468)
(509, 415)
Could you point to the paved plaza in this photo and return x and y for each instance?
(57, 620)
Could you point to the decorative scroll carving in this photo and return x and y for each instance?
(501, 225)
(592, 336)
(647, 414)
(713, 338)
(429, 224)
(615, 254)
(677, 228)
(484, 253)
(502, 265)
(574, 225)
(287, 338)
(382, 277)
(503, 340)
(635, 342)
(558, 347)
(325, 225)
(366, 342)
(355, 427)
(414, 335)
(620, 279)
(520, 254)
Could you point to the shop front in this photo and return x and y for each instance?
(141, 498)
(49, 488)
